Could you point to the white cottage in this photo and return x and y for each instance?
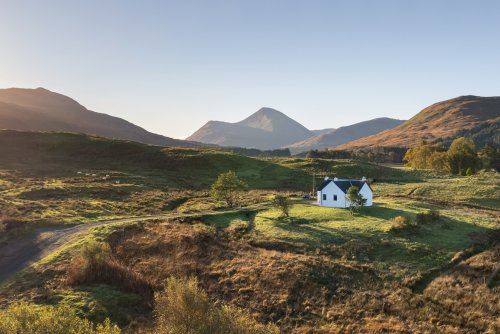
(333, 192)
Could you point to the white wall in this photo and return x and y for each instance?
(342, 202)
(367, 193)
(330, 190)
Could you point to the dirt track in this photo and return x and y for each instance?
(21, 252)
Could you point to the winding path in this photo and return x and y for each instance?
(21, 252)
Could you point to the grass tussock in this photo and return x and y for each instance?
(95, 264)
(402, 223)
(25, 318)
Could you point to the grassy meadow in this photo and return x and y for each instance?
(320, 270)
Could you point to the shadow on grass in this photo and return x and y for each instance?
(99, 301)
(105, 192)
(427, 246)
(224, 220)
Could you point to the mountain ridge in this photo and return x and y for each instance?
(443, 119)
(40, 109)
(345, 134)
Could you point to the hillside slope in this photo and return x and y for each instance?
(345, 134)
(440, 120)
(42, 110)
(39, 153)
(265, 129)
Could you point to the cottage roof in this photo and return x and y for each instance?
(343, 184)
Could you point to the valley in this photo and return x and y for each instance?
(249, 167)
(320, 270)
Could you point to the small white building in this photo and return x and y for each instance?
(332, 193)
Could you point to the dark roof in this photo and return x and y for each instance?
(324, 184)
(344, 185)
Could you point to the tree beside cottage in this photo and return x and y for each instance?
(332, 193)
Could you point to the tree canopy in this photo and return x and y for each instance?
(355, 199)
(462, 155)
(460, 158)
(228, 188)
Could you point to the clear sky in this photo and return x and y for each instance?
(170, 66)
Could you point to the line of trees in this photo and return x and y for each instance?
(460, 158)
(368, 154)
(253, 152)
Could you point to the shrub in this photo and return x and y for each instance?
(401, 223)
(95, 264)
(183, 307)
(281, 203)
(430, 216)
(35, 319)
(469, 172)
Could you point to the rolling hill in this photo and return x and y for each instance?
(266, 129)
(345, 134)
(56, 154)
(441, 120)
(42, 110)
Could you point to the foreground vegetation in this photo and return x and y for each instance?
(31, 319)
(289, 266)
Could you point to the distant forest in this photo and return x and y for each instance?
(487, 133)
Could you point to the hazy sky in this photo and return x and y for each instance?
(170, 66)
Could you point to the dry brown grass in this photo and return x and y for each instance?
(308, 293)
(465, 290)
(301, 292)
(95, 264)
(183, 307)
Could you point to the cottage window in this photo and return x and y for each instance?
(324, 197)
(334, 197)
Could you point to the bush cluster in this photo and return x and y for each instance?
(36, 319)
(183, 307)
(430, 216)
(401, 223)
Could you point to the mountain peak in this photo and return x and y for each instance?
(268, 111)
(267, 128)
(269, 119)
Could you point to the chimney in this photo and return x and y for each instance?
(363, 178)
(335, 179)
(326, 178)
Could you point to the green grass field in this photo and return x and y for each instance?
(480, 190)
(68, 178)
(64, 155)
(367, 236)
